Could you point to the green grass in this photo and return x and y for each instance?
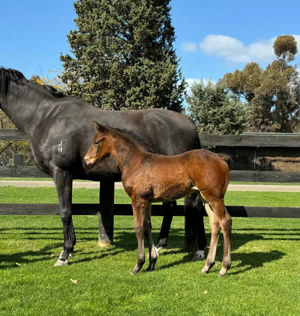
(263, 279)
(12, 194)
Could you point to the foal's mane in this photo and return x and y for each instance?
(8, 75)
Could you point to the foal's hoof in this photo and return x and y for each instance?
(133, 272)
(60, 263)
(199, 255)
(204, 270)
(223, 271)
(151, 267)
(207, 267)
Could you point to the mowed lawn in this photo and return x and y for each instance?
(263, 280)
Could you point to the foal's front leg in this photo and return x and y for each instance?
(139, 207)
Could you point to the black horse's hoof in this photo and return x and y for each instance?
(60, 263)
(150, 269)
(199, 255)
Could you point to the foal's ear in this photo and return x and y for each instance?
(101, 128)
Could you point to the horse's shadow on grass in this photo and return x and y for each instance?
(51, 252)
(249, 261)
(125, 240)
(53, 245)
(245, 261)
(17, 259)
(45, 232)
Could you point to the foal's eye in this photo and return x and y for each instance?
(98, 141)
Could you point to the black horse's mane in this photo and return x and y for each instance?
(8, 75)
(53, 91)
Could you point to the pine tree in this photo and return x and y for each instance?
(123, 56)
(215, 110)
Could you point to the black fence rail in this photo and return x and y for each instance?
(249, 143)
(125, 209)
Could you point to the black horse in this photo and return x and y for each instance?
(60, 130)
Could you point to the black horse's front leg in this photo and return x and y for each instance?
(63, 182)
(195, 239)
(106, 219)
(168, 208)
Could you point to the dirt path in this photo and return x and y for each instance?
(118, 185)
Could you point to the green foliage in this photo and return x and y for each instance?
(9, 148)
(285, 47)
(55, 81)
(216, 111)
(244, 82)
(273, 93)
(122, 55)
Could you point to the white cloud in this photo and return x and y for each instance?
(234, 50)
(189, 47)
(192, 81)
(297, 38)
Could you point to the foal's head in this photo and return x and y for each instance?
(100, 147)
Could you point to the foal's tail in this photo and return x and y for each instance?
(226, 158)
(227, 175)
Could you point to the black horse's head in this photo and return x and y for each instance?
(6, 76)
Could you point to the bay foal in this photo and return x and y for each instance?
(151, 178)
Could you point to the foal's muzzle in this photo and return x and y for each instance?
(87, 164)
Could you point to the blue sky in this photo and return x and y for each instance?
(213, 37)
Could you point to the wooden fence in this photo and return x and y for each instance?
(250, 143)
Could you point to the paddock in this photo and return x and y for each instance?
(265, 257)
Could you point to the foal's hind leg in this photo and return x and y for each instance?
(215, 232)
(219, 219)
(226, 226)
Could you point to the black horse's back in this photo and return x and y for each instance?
(179, 131)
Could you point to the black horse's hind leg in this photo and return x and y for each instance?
(63, 181)
(195, 239)
(106, 219)
(168, 208)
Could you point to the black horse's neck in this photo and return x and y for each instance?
(23, 101)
